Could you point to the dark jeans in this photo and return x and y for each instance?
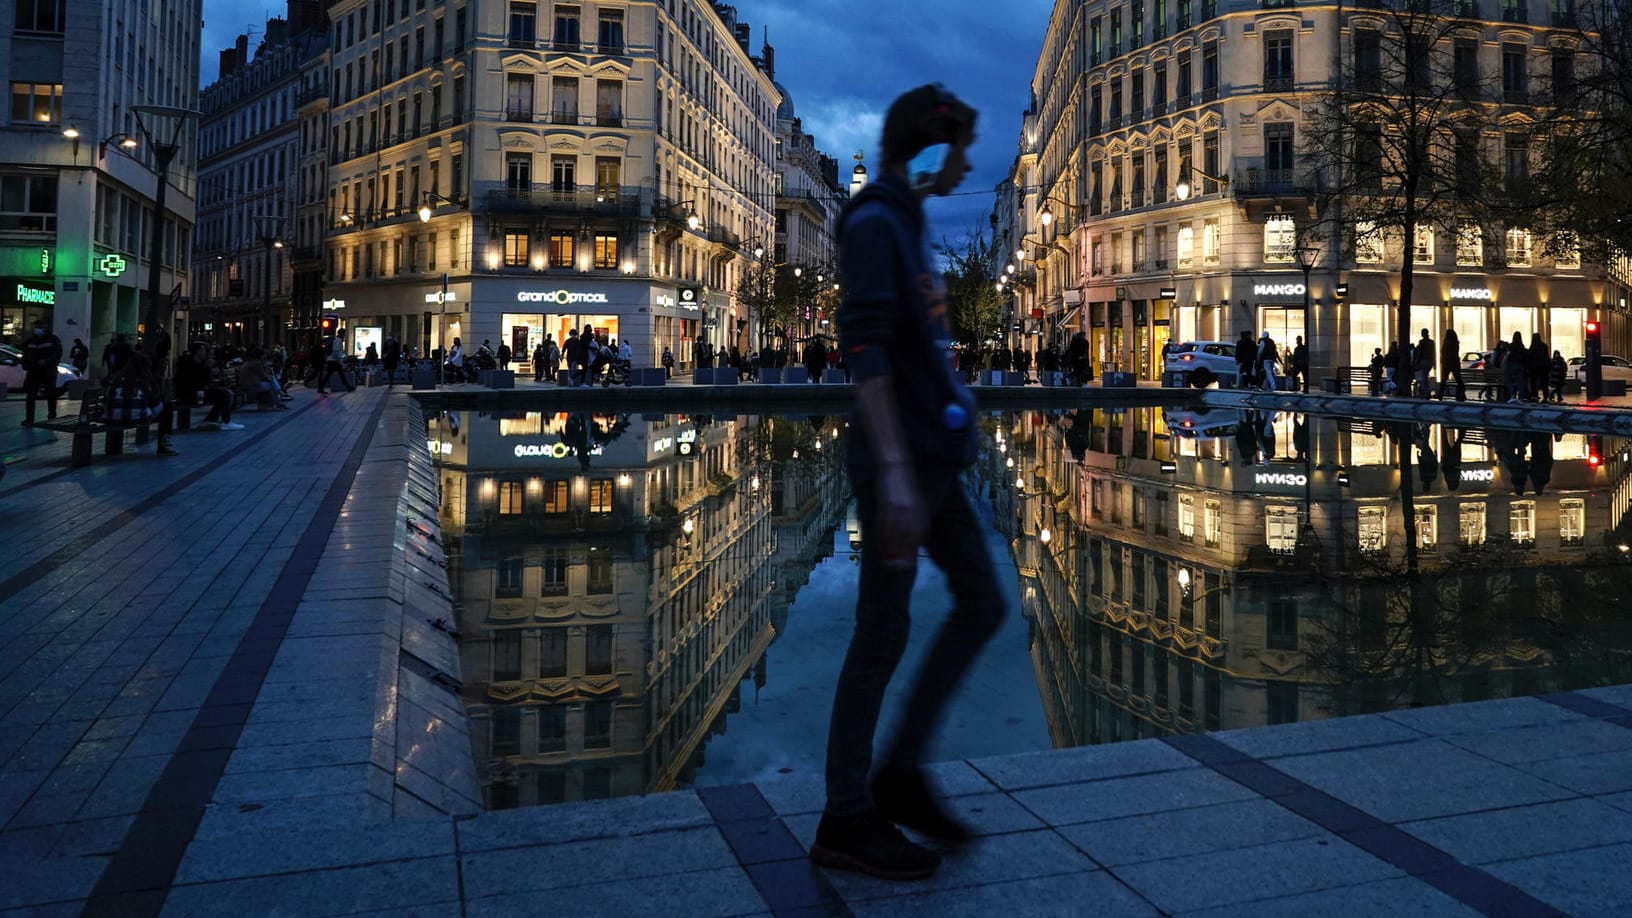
(332, 367)
(1453, 371)
(956, 542)
(219, 398)
(37, 385)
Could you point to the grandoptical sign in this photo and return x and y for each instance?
(559, 297)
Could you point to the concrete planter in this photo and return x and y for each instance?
(501, 379)
(647, 376)
(835, 377)
(1115, 379)
(703, 376)
(771, 376)
(422, 378)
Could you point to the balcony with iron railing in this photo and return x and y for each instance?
(1254, 177)
(542, 197)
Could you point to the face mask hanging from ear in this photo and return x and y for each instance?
(925, 168)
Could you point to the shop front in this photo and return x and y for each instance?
(1279, 310)
(27, 302)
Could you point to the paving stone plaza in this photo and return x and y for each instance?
(225, 690)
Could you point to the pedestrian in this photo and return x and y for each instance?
(575, 351)
(916, 434)
(1450, 365)
(1246, 361)
(541, 355)
(626, 353)
(1077, 361)
(1539, 366)
(456, 360)
(815, 361)
(1267, 356)
(552, 358)
(334, 352)
(1391, 369)
(504, 355)
(80, 356)
(1515, 369)
(1378, 365)
(116, 354)
(371, 356)
(393, 356)
(41, 354)
(1556, 377)
(668, 363)
(1422, 364)
(1300, 366)
(257, 381)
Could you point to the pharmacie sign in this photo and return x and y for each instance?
(36, 296)
(1296, 289)
(559, 297)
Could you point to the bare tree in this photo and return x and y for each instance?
(1398, 148)
(1582, 186)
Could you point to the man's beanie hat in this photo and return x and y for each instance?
(922, 118)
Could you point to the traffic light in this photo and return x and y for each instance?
(1594, 363)
(328, 324)
(1595, 451)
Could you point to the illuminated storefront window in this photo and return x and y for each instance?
(1427, 528)
(1372, 533)
(1521, 522)
(1281, 529)
(1471, 524)
(1572, 521)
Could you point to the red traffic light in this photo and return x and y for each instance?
(1592, 327)
(1595, 451)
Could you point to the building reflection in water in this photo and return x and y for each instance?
(1188, 572)
(617, 580)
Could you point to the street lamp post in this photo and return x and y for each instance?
(163, 154)
(270, 241)
(1308, 256)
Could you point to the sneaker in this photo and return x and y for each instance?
(165, 449)
(904, 798)
(207, 425)
(873, 846)
(228, 425)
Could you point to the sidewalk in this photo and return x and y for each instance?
(219, 694)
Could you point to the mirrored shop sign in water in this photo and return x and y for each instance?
(629, 587)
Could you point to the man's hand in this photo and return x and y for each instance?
(901, 519)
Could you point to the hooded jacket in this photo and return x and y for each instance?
(893, 322)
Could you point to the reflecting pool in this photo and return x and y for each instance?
(656, 601)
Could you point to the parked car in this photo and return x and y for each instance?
(1612, 367)
(1218, 357)
(1478, 360)
(11, 369)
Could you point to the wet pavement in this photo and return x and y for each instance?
(228, 685)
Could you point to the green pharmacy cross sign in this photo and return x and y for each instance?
(111, 265)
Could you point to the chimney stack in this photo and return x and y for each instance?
(229, 63)
(277, 33)
(243, 51)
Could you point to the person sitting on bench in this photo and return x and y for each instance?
(195, 384)
(256, 381)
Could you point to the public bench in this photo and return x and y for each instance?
(90, 421)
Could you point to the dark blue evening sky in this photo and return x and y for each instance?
(843, 61)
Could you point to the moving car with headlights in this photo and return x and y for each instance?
(1187, 357)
